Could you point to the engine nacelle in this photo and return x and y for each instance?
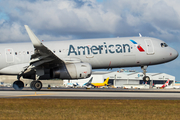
(72, 71)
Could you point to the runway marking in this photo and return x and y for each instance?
(35, 94)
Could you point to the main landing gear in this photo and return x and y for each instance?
(145, 78)
(18, 85)
(35, 84)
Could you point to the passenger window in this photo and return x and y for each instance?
(15, 53)
(27, 52)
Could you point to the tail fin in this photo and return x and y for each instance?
(166, 84)
(89, 82)
(106, 81)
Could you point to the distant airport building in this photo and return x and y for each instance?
(119, 78)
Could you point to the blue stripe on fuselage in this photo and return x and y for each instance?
(133, 41)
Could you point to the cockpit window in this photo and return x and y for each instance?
(164, 45)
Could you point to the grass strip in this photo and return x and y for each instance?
(68, 109)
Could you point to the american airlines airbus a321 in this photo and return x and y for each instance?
(75, 59)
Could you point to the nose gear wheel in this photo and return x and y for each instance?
(146, 78)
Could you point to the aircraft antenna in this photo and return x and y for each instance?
(140, 35)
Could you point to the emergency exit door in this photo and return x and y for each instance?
(9, 55)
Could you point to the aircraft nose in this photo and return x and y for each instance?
(174, 54)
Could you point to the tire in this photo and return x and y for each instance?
(146, 78)
(32, 85)
(18, 85)
(36, 85)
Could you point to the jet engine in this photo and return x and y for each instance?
(72, 71)
(65, 71)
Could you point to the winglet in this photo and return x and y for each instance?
(36, 42)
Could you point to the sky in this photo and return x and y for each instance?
(79, 19)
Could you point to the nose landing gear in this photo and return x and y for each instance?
(145, 78)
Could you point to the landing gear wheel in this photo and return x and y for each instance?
(36, 85)
(146, 78)
(18, 85)
(32, 85)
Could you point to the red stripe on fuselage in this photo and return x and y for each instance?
(140, 48)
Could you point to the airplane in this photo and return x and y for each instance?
(72, 85)
(75, 59)
(167, 86)
(76, 84)
(162, 85)
(105, 83)
(87, 83)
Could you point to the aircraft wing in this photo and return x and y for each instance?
(42, 55)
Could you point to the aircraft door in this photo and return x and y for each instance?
(149, 46)
(9, 55)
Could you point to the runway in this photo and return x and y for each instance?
(65, 94)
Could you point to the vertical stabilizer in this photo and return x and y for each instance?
(89, 82)
(166, 84)
(106, 81)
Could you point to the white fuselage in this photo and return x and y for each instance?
(100, 53)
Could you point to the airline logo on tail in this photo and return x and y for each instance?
(166, 84)
(106, 81)
(138, 46)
